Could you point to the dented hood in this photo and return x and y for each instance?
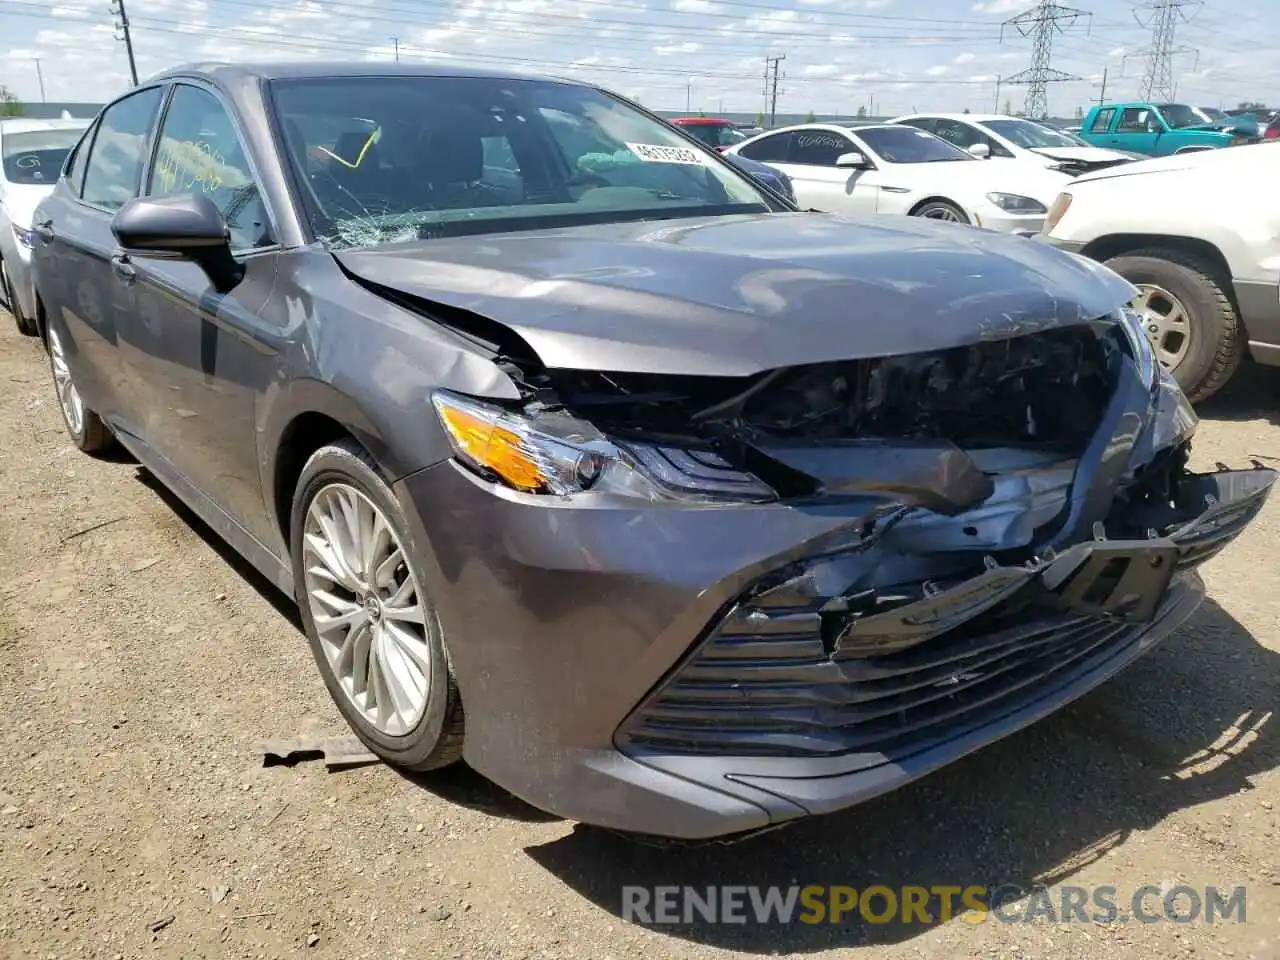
(732, 296)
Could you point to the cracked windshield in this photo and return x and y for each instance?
(385, 160)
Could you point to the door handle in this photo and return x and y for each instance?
(124, 269)
(43, 230)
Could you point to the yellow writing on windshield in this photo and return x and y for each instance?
(354, 164)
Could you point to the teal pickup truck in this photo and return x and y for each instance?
(1159, 129)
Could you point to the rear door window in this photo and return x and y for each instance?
(771, 149)
(1102, 122)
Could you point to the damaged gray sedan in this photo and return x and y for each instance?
(589, 461)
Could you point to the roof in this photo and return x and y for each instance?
(318, 70)
(970, 117)
(22, 124)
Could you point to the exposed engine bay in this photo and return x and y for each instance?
(993, 393)
(947, 430)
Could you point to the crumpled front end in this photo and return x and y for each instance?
(904, 558)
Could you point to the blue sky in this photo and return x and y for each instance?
(889, 55)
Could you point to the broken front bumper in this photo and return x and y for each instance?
(698, 672)
(791, 697)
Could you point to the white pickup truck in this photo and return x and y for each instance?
(1198, 234)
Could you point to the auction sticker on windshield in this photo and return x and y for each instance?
(656, 153)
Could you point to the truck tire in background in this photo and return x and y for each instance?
(1172, 280)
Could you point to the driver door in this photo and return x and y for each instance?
(1138, 129)
(198, 356)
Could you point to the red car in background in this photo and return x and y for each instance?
(713, 131)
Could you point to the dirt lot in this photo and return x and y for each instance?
(140, 665)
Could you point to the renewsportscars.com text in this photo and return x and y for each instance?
(814, 904)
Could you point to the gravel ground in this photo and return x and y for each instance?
(142, 663)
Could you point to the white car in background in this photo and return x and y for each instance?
(1198, 235)
(883, 168)
(1013, 138)
(32, 153)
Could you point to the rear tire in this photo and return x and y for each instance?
(25, 326)
(85, 428)
(941, 210)
(1217, 344)
(381, 651)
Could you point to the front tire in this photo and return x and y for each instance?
(940, 210)
(25, 327)
(86, 429)
(373, 631)
(1189, 318)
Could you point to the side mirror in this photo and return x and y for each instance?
(979, 151)
(852, 159)
(187, 227)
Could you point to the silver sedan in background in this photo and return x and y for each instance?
(32, 153)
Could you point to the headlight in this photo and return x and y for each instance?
(1012, 203)
(22, 236)
(553, 453)
(1143, 353)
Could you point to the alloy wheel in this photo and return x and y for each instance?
(367, 607)
(1166, 322)
(68, 393)
(941, 212)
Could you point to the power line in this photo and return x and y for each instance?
(1162, 18)
(318, 45)
(531, 25)
(1040, 23)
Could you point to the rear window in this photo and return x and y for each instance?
(37, 156)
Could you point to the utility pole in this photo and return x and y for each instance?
(396, 41)
(1161, 17)
(1040, 23)
(771, 77)
(1101, 98)
(40, 77)
(122, 24)
(999, 80)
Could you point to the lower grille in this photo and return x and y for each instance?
(764, 683)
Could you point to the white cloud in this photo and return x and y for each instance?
(1000, 6)
(674, 48)
(821, 70)
(696, 6)
(965, 58)
(937, 70)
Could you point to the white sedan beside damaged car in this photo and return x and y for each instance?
(32, 153)
(896, 169)
(999, 137)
